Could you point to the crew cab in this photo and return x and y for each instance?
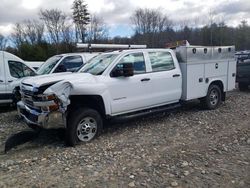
(12, 68)
(124, 84)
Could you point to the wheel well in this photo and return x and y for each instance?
(219, 83)
(91, 101)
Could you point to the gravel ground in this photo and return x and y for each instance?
(190, 147)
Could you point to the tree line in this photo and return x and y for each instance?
(55, 32)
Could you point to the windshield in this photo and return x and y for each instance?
(98, 65)
(49, 65)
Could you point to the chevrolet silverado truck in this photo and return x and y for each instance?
(124, 84)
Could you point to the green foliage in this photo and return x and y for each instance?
(81, 18)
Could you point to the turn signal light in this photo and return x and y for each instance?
(54, 107)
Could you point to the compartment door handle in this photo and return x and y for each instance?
(145, 79)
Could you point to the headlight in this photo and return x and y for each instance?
(48, 103)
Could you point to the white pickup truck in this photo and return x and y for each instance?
(124, 84)
(12, 68)
(69, 62)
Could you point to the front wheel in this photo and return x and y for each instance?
(83, 125)
(213, 98)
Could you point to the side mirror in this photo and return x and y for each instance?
(124, 69)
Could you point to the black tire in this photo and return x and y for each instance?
(243, 86)
(213, 98)
(83, 125)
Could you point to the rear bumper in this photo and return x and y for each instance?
(42, 119)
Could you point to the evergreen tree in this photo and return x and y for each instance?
(81, 19)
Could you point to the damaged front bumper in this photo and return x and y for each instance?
(54, 119)
(46, 109)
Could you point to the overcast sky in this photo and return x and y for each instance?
(116, 13)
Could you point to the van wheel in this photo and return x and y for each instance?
(243, 86)
(213, 98)
(83, 125)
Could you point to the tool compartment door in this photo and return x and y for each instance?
(231, 75)
(193, 81)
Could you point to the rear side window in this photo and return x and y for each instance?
(71, 63)
(138, 61)
(161, 61)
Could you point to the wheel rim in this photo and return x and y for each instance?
(214, 97)
(86, 129)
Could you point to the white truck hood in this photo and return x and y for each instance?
(39, 81)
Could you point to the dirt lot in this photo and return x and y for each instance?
(187, 148)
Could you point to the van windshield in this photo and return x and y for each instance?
(49, 65)
(98, 64)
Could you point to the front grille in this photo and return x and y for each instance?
(27, 92)
(28, 97)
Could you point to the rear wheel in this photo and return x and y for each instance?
(213, 98)
(83, 125)
(243, 86)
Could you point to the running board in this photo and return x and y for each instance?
(142, 113)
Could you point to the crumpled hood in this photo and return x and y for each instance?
(38, 81)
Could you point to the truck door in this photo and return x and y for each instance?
(2, 77)
(130, 93)
(166, 80)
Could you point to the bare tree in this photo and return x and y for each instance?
(3, 42)
(151, 26)
(150, 21)
(97, 30)
(18, 35)
(34, 31)
(81, 18)
(54, 21)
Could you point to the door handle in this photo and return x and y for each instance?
(145, 79)
(176, 75)
(10, 81)
(1, 81)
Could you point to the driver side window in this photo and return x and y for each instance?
(137, 59)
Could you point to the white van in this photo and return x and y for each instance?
(12, 68)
